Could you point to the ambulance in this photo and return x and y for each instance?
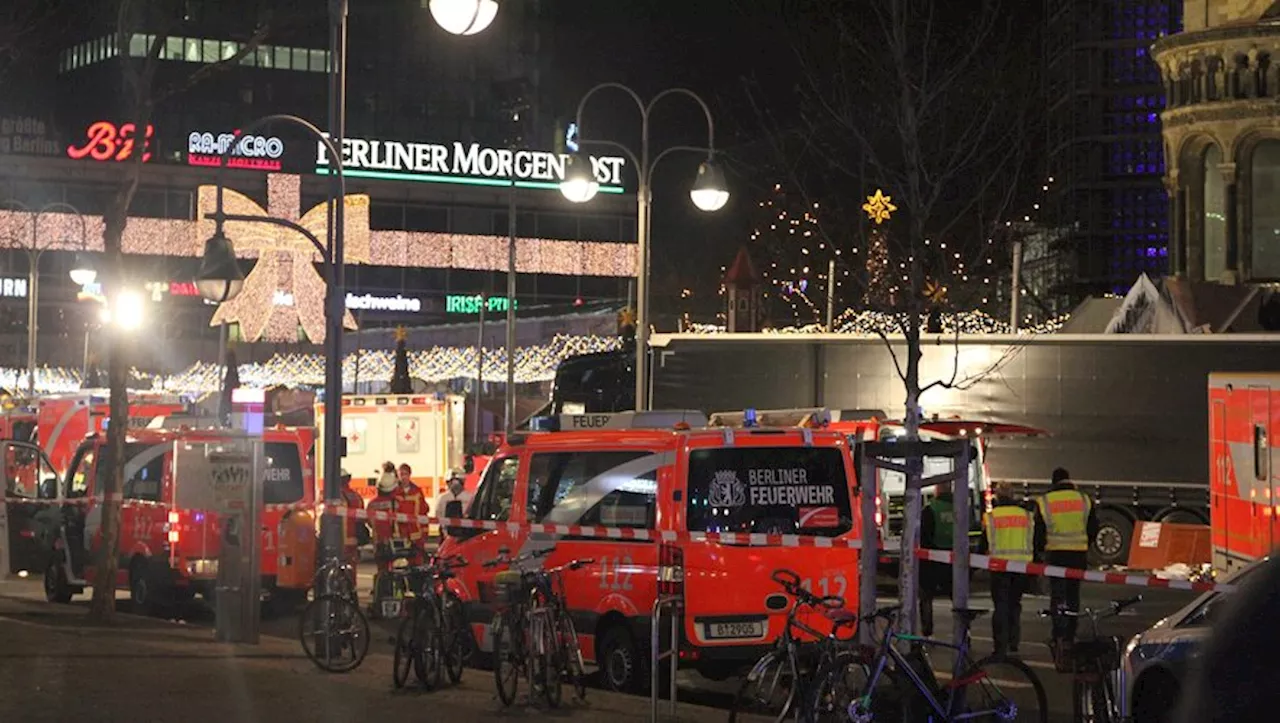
(1244, 476)
(425, 431)
(169, 534)
(666, 472)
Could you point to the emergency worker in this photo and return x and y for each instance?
(454, 501)
(937, 530)
(1008, 533)
(382, 510)
(413, 504)
(352, 500)
(1065, 522)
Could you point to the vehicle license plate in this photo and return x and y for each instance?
(733, 631)
(391, 608)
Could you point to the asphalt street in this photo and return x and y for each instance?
(1157, 603)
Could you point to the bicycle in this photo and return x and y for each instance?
(391, 587)
(532, 633)
(428, 640)
(1094, 665)
(333, 631)
(1007, 690)
(784, 674)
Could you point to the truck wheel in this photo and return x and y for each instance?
(1181, 517)
(1110, 546)
(145, 591)
(56, 589)
(619, 660)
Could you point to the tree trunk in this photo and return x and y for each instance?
(909, 567)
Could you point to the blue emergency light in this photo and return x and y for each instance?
(544, 424)
(749, 417)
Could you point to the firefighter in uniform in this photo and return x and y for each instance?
(1008, 532)
(1065, 522)
(387, 533)
(352, 500)
(413, 504)
(937, 529)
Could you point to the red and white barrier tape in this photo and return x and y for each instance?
(1037, 569)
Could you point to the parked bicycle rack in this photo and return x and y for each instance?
(671, 598)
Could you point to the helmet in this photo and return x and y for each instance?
(387, 482)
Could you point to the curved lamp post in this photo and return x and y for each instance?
(220, 279)
(81, 269)
(709, 193)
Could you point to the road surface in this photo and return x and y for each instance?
(700, 691)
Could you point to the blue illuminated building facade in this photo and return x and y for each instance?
(1104, 149)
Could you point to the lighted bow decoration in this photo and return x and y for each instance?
(284, 291)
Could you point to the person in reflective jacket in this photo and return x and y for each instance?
(1065, 522)
(1008, 533)
(937, 530)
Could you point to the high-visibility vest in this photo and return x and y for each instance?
(1066, 514)
(413, 505)
(944, 523)
(1010, 533)
(385, 529)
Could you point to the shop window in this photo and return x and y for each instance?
(1215, 216)
(1265, 255)
(265, 54)
(299, 59)
(282, 58)
(318, 60)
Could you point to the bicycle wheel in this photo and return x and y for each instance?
(768, 690)
(506, 660)
(405, 653)
(842, 681)
(1008, 690)
(334, 634)
(1089, 702)
(426, 634)
(574, 667)
(544, 656)
(456, 636)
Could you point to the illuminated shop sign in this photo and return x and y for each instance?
(105, 141)
(13, 288)
(458, 304)
(261, 153)
(361, 302)
(464, 163)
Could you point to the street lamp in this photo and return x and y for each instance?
(219, 278)
(34, 252)
(82, 271)
(464, 17)
(709, 193)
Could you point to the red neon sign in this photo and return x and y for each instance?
(182, 288)
(107, 142)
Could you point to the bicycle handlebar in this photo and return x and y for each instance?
(790, 582)
(1113, 608)
(504, 557)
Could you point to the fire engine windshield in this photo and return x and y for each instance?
(283, 483)
(776, 490)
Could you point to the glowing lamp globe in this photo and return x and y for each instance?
(710, 192)
(464, 17)
(82, 271)
(219, 278)
(579, 184)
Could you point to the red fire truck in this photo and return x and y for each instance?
(169, 539)
(1244, 489)
(64, 420)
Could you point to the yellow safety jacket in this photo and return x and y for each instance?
(1010, 533)
(1066, 514)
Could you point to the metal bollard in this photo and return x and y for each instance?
(674, 604)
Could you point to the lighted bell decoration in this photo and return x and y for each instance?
(464, 17)
(579, 184)
(219, 278)
(709, 192)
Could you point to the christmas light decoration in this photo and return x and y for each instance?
(878, 207)
(417, 249)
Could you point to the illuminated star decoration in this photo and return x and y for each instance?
(935, 292)
(878, 207)
(284, 291)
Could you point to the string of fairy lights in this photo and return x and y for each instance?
(796, 250)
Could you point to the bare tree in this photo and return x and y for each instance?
(927, 101)
(158, 17)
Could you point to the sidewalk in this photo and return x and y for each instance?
(56, 667)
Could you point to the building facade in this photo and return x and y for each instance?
(1222, 140)
(1103, 149)
(439, 129)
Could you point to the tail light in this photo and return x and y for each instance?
(172, 527)
(879, 512)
